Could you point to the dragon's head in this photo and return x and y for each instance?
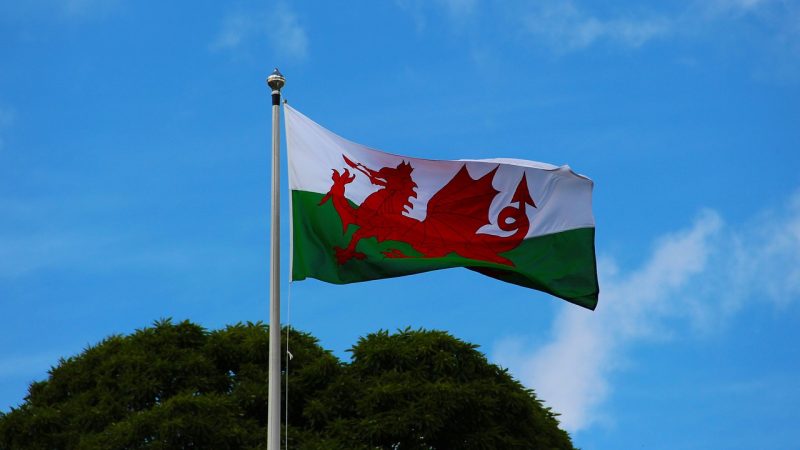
(404, 169)
(399, 178)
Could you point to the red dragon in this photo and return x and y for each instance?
(454, 214)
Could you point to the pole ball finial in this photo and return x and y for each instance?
(276, 80)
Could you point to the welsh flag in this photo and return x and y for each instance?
(360, 214)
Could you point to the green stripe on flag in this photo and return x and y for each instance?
(562, 264)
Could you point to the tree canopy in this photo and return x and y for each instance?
(179, 386)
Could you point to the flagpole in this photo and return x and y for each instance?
(276, 82)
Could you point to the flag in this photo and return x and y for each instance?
(360, 214)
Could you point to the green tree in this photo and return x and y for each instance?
(170, 386)
(429, 390)
(179, 386)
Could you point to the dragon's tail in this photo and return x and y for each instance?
(513, 218)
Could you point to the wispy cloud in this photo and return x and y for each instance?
(281, 28)
(416, 9)
(456, 11)
(683, 279)
(768, 30)
(235, 28)
(568, 25)
(565, 26)
(774, 27)
(734, 6)
(72, 11)
(287, 36)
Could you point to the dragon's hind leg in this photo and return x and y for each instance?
(346, 254)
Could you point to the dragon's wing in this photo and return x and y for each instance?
(461, 207)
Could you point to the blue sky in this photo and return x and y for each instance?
(134, 175)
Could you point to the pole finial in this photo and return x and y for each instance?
(276, 80)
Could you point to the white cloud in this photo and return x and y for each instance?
(458, 11)
(280, 28)
(561, 24)
(700, 276)
(734, 6)
(768, 257)
(769, 30)
(565, 26)
(772, 27)
(235, 27)
(77, 11)
(415, 9)
(287, 35)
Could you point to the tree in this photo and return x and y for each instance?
(179, 386)
(429, 390)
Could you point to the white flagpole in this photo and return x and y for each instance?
(276, 82)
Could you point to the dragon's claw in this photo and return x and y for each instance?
(394, 253)
(340, 179)
(345, 254)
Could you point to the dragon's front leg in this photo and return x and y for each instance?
(336, 195)
(346, 212)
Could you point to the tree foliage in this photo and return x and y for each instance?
(179, 386)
